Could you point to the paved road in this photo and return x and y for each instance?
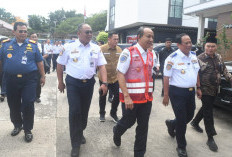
(51, 131)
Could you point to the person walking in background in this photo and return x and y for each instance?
(211, 69)
(48, 50)
(163, 54)
(111, 52)
(55, 53)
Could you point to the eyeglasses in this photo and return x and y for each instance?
(22, 31)
(88, 32)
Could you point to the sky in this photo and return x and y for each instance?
(23, 8)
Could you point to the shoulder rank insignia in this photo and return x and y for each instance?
(71, 41)
(192, 52)
(173, 55)
(7, 40)
(32, 41)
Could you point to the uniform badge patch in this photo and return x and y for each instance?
(61, 53)
(182, 71)
(123, 58)
(169, 67)
(75, 59)
(9, 55)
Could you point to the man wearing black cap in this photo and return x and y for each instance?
(164, 53)
(211, 69)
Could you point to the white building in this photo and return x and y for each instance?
(165, 17)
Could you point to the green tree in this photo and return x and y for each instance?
(38, 23)
(98, 21)
(6, 16)
(102, 36)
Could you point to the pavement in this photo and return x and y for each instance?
(51, 130)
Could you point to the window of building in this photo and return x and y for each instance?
(176, 8)
(112, 15)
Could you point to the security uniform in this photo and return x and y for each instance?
(211, 69)
(38, 88)
(48, 50)
(136, 64)
(21, 79)
(81, 62)
(182, 71)
(111, 56)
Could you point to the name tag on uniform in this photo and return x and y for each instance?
(24, 60)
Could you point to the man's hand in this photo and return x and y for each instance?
(104, 89)
(128, 102)
(61, 87)
(199, 93)
(42, 81)
(166, 100)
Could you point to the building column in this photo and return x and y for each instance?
(201, 26)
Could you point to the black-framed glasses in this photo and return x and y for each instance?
(22, 31)
(88, 32)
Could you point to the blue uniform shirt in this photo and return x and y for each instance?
(182, 70)
(19, 59)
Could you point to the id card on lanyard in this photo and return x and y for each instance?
(24, 58)
(91, 60)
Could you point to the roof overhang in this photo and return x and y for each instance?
(209, 9)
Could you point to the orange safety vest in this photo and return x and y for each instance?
(139, 80)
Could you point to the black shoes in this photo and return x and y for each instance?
(38, 100)
(75, 152)
(115, 117)
(110, 100)
(2, 97)
(181, 152)
(212, 145)
(28, 136)
(171, 129)
(83, 140)
(196, 127)
(116, 138)
(102, 118)
(16, 131)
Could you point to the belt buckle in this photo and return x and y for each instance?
(19, 75)
(84, 81)
(190, 89)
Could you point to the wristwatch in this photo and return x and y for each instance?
(106, 84)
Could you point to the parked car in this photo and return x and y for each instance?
(224, 98)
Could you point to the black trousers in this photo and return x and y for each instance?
(48, 59)
(183, 104)
(21, 93)
(79, 95)
(141, 113)
(38, 87)
(206, 112)
(54, 57)
(114, 88)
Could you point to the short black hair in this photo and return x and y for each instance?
(179, 37)
(101, 42)
(110, 34)
(32, 33)
(168, 39)
(19, 24)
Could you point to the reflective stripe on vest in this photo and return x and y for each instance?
(136, 91)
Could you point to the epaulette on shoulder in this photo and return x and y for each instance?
(192, 52)
(32, 41)
(174, 54)
(7, 40)
(71, 41)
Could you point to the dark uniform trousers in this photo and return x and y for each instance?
(114, 88)
(206, 111)
(21, 93)
(141, 113)
(38, 87)
(183, 104)
(54, 58)
(79, 95)
(48, 59)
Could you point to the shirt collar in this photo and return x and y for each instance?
(80, 44)
(141, 50)
(182, 55)
(25, 41)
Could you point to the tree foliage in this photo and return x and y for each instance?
(6, 16)
(98, 21)
(102, 36)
